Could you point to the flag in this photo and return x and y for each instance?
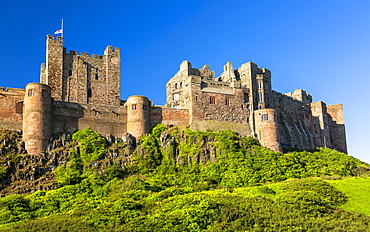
(59, 31)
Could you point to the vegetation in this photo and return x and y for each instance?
(183, 180)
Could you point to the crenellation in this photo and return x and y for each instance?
(79, 91)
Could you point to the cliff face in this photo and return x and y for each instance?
(24, 173)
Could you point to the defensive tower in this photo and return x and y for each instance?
(138, 115)
(37, 117)
(267, 129)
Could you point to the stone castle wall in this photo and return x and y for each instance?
(79, 91)
(11, 108)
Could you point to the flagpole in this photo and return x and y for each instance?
(62, 30)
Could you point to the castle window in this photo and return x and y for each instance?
(89, 93)
(212, 100)
(133, 107)
(19, 107)
(30, 92)
(70, 72)
(227, 101)
(144, 107)
(96, 76)
(265, 117)
(175, 85)
(246, 97)
(260, 84)
(260, 97)
(70, 65)
(44, 93)
(176, 97)
(180, 84)
(196, 98)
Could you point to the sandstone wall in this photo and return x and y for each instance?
(11, 108)
(294, 122)
(337, 128)
(68, 117)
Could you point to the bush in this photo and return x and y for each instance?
(92, 145)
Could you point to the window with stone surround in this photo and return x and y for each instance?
(89, 93)
(176, 97)
(246, 97)
(134, 107)
(19, 107)
(44, 93)
(260, 84)
(30, 92)
(260, 97)
(70, 72)
(212, 100)
(227, 101)
(265, 117)
(144, 107)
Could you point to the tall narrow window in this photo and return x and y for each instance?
(133, 107)
(196, 98)
(19, 107)
(260, 97)
(89, 93)
(96, 76)
(212, 100)
(176, 86)
(70, 72)
(246, 98)
(44, 93)
(265, 117)
(227, 101)
(30, 92)
(176, 97)
(260, 84)
(144, 107)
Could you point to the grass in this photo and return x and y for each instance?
(358, 191)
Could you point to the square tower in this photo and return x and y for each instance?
(81, 78)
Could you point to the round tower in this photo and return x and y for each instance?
(37, 118)
(138, 117)
(266, 129)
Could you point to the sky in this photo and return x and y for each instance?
(315, 45)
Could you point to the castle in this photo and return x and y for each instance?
(78, 91)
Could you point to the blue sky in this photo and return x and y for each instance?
(319, 46)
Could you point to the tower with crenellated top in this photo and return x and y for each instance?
(81, 78)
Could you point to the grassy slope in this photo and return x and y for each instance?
(358, 191)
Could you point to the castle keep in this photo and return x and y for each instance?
(78, 91)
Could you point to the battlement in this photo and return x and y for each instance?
(85, 54)
(112, 50)
(300, 95)
(55, 38)
(11, 90)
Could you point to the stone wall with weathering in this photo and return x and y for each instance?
(68, 117)
(79, 90)
(82, 78)
(11, 108)
(337, 128)
(294, 121)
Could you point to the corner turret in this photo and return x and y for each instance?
(138, 115)
(37, 118)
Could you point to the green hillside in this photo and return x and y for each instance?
(182, 180)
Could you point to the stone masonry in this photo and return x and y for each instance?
(78, 91)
